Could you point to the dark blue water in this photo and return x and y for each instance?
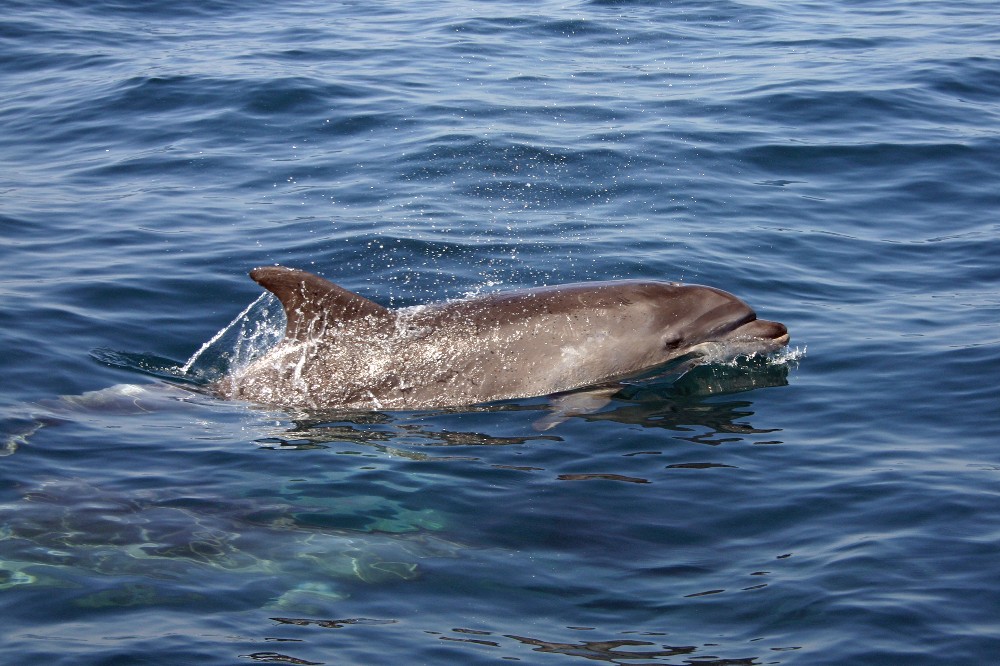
(834, 164)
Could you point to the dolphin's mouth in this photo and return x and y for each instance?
(752, 336)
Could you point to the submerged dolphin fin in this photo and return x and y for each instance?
(312, 303)
(565, 405)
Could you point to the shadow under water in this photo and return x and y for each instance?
(60, 530)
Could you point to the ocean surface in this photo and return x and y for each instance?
(835, 164)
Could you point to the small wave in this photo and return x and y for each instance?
(147, 364)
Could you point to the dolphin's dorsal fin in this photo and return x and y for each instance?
(312, 304)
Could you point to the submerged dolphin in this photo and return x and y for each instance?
(342, 350)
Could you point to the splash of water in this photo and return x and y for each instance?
(186, 368)
(253, 334)
(788, 356)
(734, 354)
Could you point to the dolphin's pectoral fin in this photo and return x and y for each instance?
(566, 405)
(311, 302)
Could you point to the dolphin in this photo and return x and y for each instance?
(343, 351)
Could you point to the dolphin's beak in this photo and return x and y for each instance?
(761, 329)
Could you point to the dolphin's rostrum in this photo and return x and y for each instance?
(342, 350)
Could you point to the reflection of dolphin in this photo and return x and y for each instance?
(341, 350)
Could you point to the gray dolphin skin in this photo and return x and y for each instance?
(342, 350)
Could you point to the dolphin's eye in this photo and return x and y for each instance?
(672, 341)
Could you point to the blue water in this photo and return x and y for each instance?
(834, 164)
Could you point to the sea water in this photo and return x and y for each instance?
(834, 164)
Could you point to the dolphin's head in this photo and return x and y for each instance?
(693, 319)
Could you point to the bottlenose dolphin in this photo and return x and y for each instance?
(342, 350)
